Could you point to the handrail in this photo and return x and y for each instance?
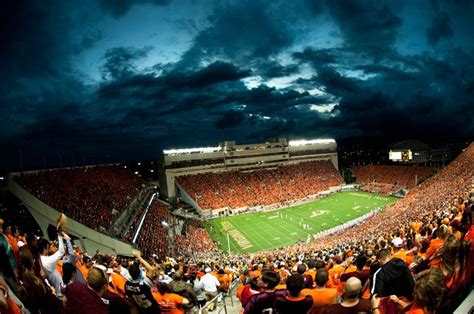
(221, 296)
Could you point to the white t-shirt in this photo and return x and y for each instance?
(209, 283)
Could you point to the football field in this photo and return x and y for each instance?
(262, 231)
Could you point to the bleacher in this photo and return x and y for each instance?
(236, 189)
(393, 175)
(94, 196)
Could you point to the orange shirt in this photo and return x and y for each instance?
(415, 309)
(321, 297)
(409, 257)
(224, 281)
(240, 288)
(169, 302)
(281, 286)
(84, 270)
(341, 285)
(434, 244)
(312, 273)
(334, 276)
(14, 246)
(402, 254)
(59, 266)
(118, 282)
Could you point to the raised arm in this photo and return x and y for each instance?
(149, 269)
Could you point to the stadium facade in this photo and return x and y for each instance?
(228, 156)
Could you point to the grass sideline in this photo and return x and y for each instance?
(261, 231)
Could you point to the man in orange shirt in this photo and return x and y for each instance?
(169, 303)
(224, 280)
(311, 269)
(321, 295)
(334, 272)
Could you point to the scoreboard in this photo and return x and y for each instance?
(404, 155)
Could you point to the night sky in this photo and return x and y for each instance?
(124, 79)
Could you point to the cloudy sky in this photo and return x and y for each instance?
(128, 78)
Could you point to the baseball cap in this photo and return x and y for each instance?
(397, 242)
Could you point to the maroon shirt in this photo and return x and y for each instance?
(261, 301)
(82, 300)
(290, 305)
(363, 306)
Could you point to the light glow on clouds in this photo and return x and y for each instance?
(252, 81)
(357, 74)
(326, 108)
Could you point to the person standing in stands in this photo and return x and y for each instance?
(49, 262)
(295, 302)
(210, 284)
(184, 289)
(265, 300)
(392, 278)
(86, 299)
(140, 293)
(322, 296)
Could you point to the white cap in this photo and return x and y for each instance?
(397, 242)
(207, 270)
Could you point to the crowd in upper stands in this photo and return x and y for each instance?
(394, 175)
(237, 189)
(94, 196)
(414, 257)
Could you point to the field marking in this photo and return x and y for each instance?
(318, 213)
(257, 234)
(356, 207)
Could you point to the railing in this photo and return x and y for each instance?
(219, 299)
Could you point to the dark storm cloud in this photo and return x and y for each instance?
(139, 101)
(88, 40)
(336, 83)
(118, 8)
(119, 61)
(440, 28)
(230, 119)
(241, 31)
(365, 25)
(271, 69)
(317, 58)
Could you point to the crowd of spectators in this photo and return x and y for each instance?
(394, 175)
(237, 189)
(153, 236)
(94, 196)
(414, 257)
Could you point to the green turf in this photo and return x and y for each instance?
(268, 230)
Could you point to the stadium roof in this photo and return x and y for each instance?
(410, 144)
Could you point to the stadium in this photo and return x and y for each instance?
(236, 157)
(243, 209)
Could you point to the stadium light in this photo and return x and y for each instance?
(192, 150)
(307, 142)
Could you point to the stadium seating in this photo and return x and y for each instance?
(236, 189)
(394, 175)
(405, 230)
(94, 196)
(156, 241)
